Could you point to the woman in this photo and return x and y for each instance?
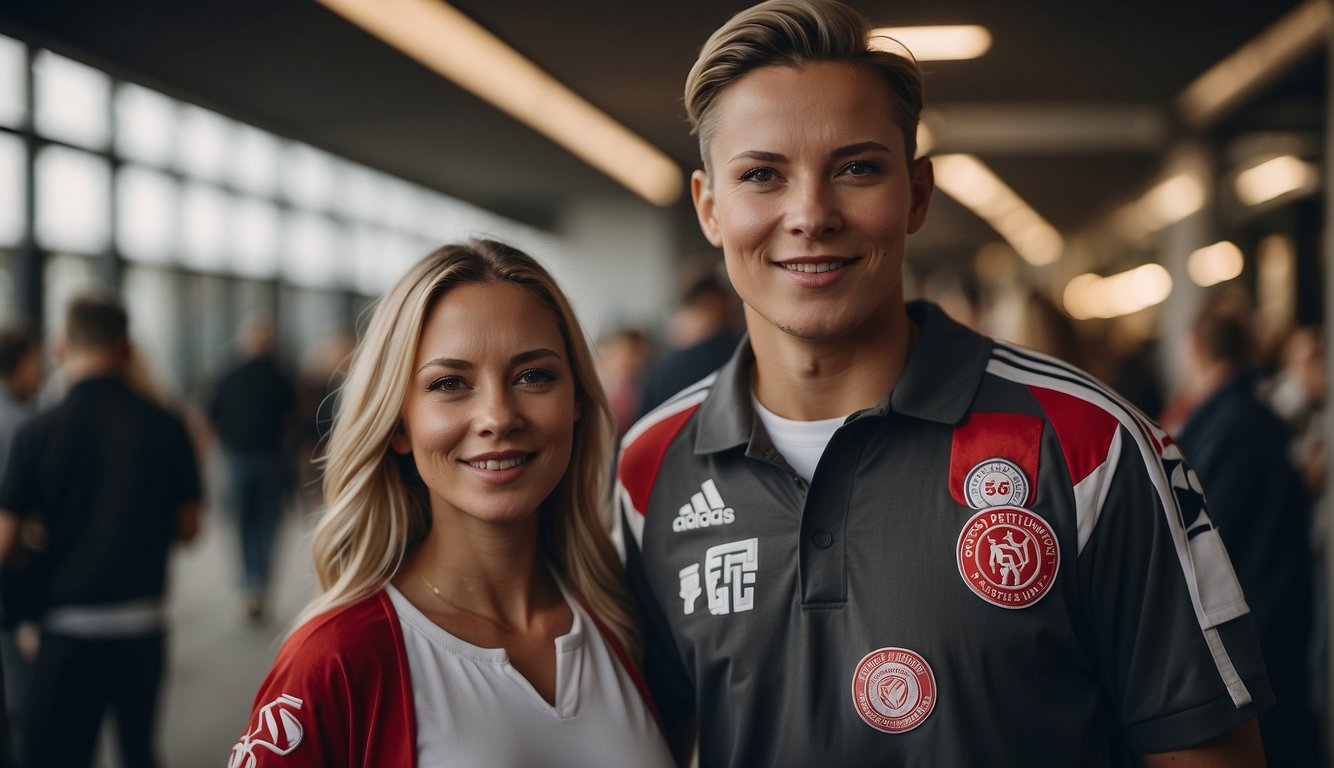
(473, 610)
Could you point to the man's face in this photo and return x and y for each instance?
(811, 197)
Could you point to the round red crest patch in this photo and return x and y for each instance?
(1008, 556)
(893, 689)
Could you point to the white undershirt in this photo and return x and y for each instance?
(801, 443)
(475, 709)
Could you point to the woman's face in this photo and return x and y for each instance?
(490, 410)
(810, 196)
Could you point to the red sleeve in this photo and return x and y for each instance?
(338, 694)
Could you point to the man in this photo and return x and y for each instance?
(1257, 499)
(251, 411)
(115, 480)
(875, 537)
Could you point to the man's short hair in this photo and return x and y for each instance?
(15, 344)
(793, 33)
(1223, 330)
(95, 322)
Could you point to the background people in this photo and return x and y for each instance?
(959, 552)
(701, 336)
(469, 583)
(115, 480)
(1239, 449)
(251, 412)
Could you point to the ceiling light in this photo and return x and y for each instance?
(1214, 264)
(972, 183)
(1273, 178)
(1090, 296)
(455, 46)
(1250, 66)
(946, 43)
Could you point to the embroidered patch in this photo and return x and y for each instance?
(995, 482)
(984, 438)
(276, 729)
(893, 689)
(1008, 556)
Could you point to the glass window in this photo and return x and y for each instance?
(146, 214)
(155, 306)
(311, 256)
(378, 258)
(359, 193)
(255, 247)
(13, 175)
(13, 82)
(73, 101)
(63, 277)
(204, 227)
(254, 162)
(73, 200)
(145, 125)
(205, 143)
(308, 176)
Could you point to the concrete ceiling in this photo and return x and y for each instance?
(1072, 105)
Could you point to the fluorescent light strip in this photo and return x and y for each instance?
(1214, 264)
(943, 43)
(1251, 65)
(455, 46)
(1273, 178)
(972, 183)
(1091, 296)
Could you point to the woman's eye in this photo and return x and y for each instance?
(861, 168)
(447, 384)
(759, 175)
(536, 376)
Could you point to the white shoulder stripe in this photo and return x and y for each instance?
(1091, 492)
(686, 398)
(1214, 591)
(633, 519)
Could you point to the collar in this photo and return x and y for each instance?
(941, 377)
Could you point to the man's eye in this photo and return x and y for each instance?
(861, 168)
(760, 175)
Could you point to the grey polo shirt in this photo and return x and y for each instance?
(999, 564)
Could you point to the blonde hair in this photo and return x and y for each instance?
(377, 507)
(793, 33)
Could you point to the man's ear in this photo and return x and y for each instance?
(399, 442)
(923, 184)
(702, 195)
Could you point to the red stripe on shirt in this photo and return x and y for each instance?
(1084, 430)
(641, 459)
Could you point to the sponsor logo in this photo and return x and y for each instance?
(705, 509)
(995, 482)
(729, 578)
(893, 689)
(276, 729)
(1008, 556)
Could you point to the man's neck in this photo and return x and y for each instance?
(809, 380)
(92, 363)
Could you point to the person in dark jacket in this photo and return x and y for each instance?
(251, 413)
(1239, 449)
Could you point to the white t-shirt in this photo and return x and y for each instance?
(802, 443)
(474, 709)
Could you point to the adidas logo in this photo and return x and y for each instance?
(705, 509)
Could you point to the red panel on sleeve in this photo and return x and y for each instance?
(1016, 437)
(641, 459)
(1084, 429)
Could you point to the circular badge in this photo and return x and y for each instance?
(893, 689)
(996, 483)
(1008, 556)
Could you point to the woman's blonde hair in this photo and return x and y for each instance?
(377, 507)
(792, 33)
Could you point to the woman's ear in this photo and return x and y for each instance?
(399, 442)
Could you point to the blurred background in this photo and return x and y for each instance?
(1104, 169)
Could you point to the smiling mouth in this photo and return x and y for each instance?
(811, 268)
(495, 465)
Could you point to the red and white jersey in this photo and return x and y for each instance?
(377, 683)
(1000, 563)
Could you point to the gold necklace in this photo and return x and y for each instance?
(436, 591)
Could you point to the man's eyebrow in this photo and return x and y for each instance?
(865, 146)
(757, 154)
